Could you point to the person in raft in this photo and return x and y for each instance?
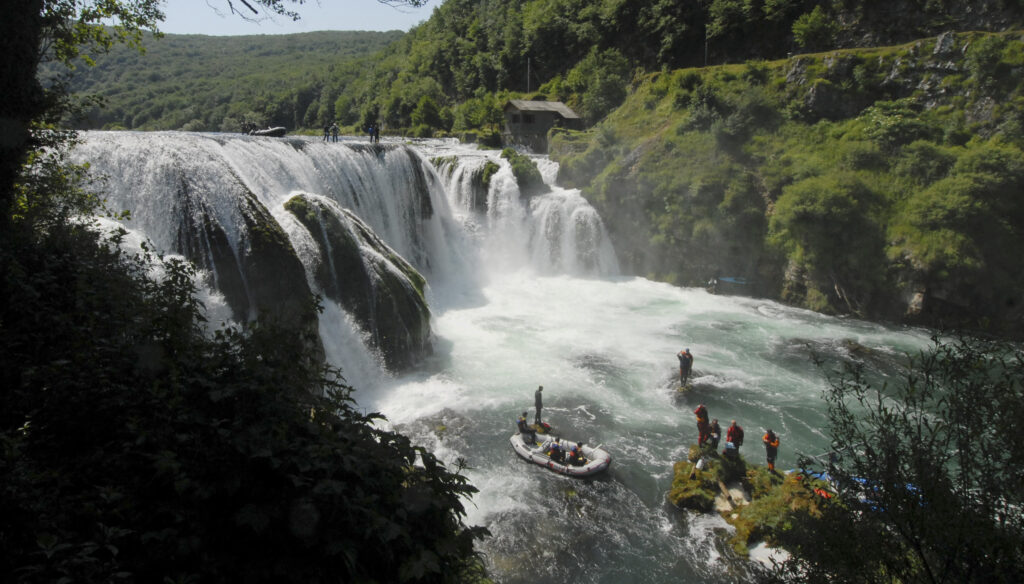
(703, 428)
(528, 434)
(733, 439)
(555, 451)
(685, 365)
(538, 402)
(576, 457)
(771, 448)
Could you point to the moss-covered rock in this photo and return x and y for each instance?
(697, 493)
(774, 498)
(257, 269)
(369, 279)
(525, 170)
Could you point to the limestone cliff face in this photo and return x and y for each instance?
(358, 270)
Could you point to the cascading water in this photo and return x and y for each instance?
(522, 293)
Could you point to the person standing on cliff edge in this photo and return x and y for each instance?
(538, 402)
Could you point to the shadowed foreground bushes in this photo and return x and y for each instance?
(137, 447)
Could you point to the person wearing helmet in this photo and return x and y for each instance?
(555, 451)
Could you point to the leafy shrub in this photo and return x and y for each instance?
(815, 30)
(924, 162)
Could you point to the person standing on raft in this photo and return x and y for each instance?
(538, 403)
(685, 365)
(771, 448)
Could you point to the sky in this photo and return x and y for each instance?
(211, 17)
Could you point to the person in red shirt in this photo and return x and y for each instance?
(771, 448)
(703, 428)
(734, 436)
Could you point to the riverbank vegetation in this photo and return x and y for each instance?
(921, 484)
(880, 182)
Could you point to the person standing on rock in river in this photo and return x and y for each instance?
(685, 365)
(771, 448)
(716, 434)
(538, 402)
(734, 436)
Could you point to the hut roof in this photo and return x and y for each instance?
(525, 105)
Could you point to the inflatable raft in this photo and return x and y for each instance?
(597, 460)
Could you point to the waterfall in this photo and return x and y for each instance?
(221, 201)
(554, 233)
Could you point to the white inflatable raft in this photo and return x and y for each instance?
(597, 459)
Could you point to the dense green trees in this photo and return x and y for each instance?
(828, 225)
(582, 52)
(927, 474)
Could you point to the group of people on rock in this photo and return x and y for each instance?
(710, 433)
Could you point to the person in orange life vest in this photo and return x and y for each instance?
(703, 429)
(685, 364)
(555, 451)
(576, 455)
(528, 434)
(716, 434)
(771, 448)
(734, 436)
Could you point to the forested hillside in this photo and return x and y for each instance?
(453, 72)
(882, 182)
(864, 180)
(197, 82)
